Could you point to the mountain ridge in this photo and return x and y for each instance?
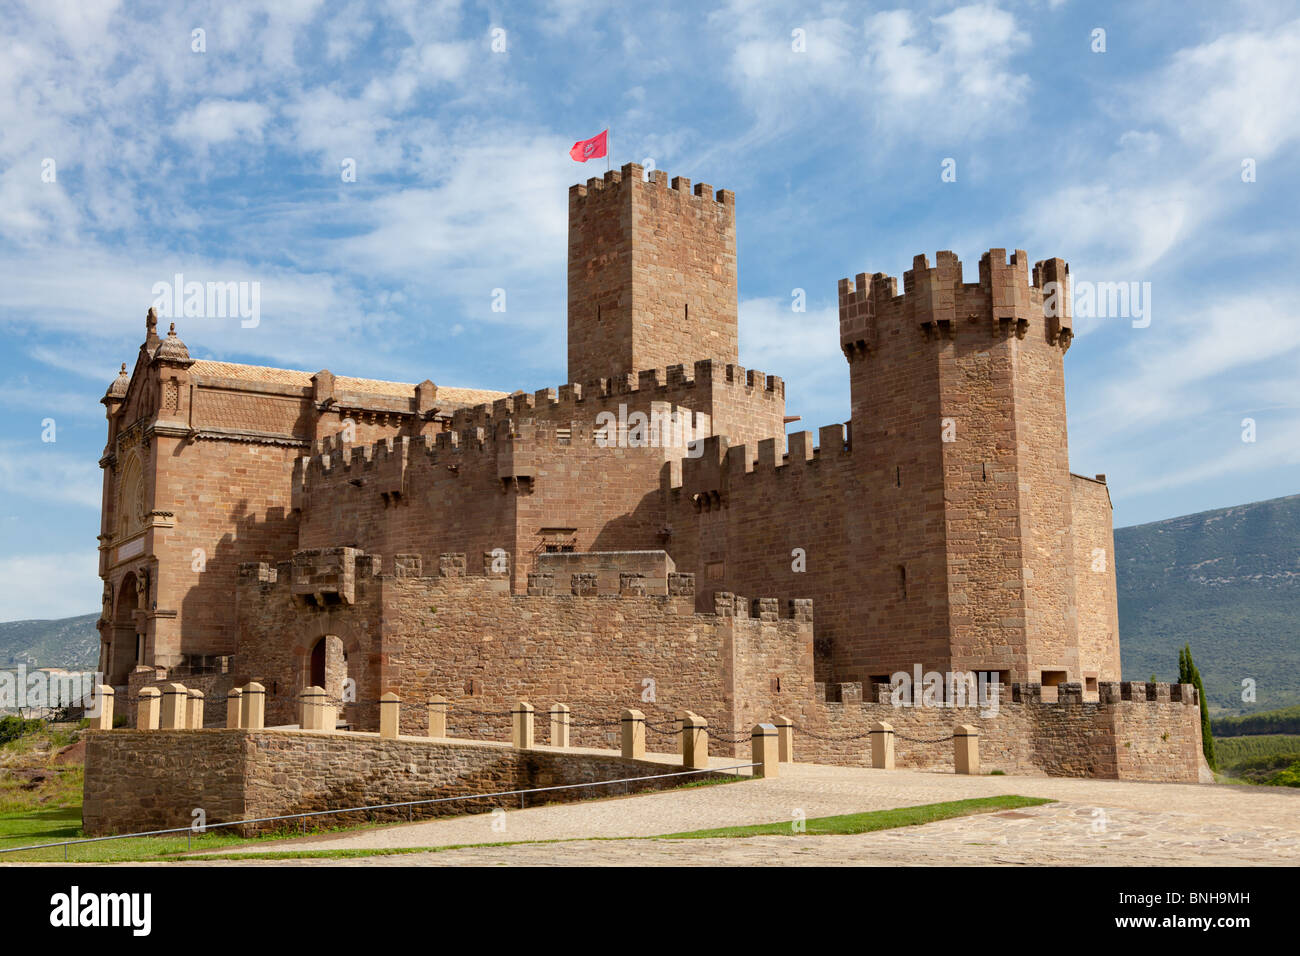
(1227, 582)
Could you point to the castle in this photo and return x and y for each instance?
(593, 540)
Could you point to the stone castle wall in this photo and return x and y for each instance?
(597, 646)
(598, 641)
(509, 471)
(1094, 575)
(144, 780)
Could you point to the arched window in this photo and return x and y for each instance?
(131, 510)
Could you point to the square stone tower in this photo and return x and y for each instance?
(652, 274)
(977, 562)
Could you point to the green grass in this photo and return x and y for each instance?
(1270, 760)
(30, 779)
(48, 826)
(851, 823)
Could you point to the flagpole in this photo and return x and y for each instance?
(608, 146)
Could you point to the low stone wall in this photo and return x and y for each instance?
(215, 688)
(143, 780)
(1131, 731)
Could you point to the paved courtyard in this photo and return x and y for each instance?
(1093, 822)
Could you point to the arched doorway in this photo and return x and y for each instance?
(124, 648)
(317, 676)
(327, 665)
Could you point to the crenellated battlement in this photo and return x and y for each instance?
(659, 383)
(1109, 692)
(617, 181)
(722, 467)
(325, 577)
(1009, 299)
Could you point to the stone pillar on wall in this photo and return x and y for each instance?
(784, 738)
(253, 715)
(234, 708)
(882, 745)
(389, 705)
(195, 709)
(175, 707)
(437, 716)
(312, 704)
(103, 719)
(559, 725)
(966, 749)
(148, 713)
(695, 741)
(765, 749)
(521, 725)
(633, 734)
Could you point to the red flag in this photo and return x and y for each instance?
(585, 149)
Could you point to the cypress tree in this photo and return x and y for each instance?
(1188, 673)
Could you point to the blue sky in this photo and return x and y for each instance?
(225, 165)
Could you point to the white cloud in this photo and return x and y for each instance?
(1114, 231)
(45, 586)
(1185, 367)
(1123, 214)
(941, 78)
(1278, 447)
(219, 121)
(956, 77)
(1234, 96)
(50, 475)
(801, 347)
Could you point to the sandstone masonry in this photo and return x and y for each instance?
(587, 542)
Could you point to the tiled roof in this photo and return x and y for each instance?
(251, 373)
(447, 395)
(466, 396)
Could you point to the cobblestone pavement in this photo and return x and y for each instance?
(1060, 835)
(1137, 823)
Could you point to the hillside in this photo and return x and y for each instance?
(70, 642)
(1228, 583)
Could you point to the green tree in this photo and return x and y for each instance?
(1188, 674)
